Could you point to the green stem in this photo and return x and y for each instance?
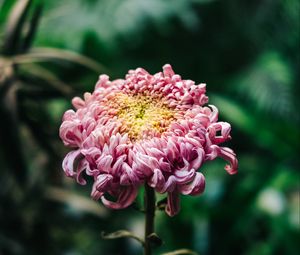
(149, 201)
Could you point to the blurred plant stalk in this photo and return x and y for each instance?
(16, 50)
(10, 136)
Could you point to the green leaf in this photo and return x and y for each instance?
(121, 234)
(50, 79)
(14, 26)
(181, 252)
(32, 28)
(161, 204)
(267, 84)
(265, 135)
(155, 239)
(50, 54)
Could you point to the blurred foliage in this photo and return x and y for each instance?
(248, 54)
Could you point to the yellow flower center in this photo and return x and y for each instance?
(142, 116)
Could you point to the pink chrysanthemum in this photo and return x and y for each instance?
(147, 128)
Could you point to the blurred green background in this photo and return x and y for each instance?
(248, 54)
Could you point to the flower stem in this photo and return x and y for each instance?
(149, 202)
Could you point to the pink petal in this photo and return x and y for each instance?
(170, 184)
(124, 199)
(229, 155)
(225, 153)
(168, 71)
(80, 168)
(145, 164)
(128, 177)
(157, 180)
(117, 167)
(224, 127)
(184, 176)
(196, 187)
(104, 163)
(68, 163)
(173, 203)
(197, 162)
(101, 185)
(78, 102)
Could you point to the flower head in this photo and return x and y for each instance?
(146, 128)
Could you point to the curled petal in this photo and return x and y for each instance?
(104, 163)
(185, 149)
(71, 134)
(102, 181)
(225, 153)
(146, 164)
(103, 81)
(91, 155)
(173, 203)
(80, 168)
(121, 148)
(229, 155)
(68, 163)
(116, 169)
(69, 115)
(157, 180)
(164, 166)
(152, 162)
(197, 162)
(78, 103)
(92, 171)
(96, 194)
(154, 152)
(128, 177)
(101, 185)
(183, 177)
(171, 150)
(214, 114)
(224, 127)
(213, 152)
(170, 185)
(196, 187)
(125, 198)
(168, 71)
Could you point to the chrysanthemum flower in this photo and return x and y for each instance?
(150, 129)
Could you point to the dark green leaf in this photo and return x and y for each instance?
(121, 234)
(32, 28)
(14, 27)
